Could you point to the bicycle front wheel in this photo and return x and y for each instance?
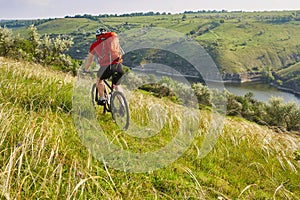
(120, 110)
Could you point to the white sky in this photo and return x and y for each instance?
(24, 9)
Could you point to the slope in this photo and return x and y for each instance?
(41, 155)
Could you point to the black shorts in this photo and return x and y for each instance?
(114, 70)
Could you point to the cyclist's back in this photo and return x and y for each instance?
(108, 52)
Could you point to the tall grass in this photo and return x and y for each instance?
(41, 155)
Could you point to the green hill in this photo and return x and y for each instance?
(238, 41)
(243, 43)
(42, 157)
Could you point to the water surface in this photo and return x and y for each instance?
(262, 92)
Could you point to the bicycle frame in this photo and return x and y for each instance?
(116, 103)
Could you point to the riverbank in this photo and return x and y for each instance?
(242, 77)
(227, 78)
(286, 89)
(257, 77)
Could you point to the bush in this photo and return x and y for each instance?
(283, 115)
(37, 48)
(7, 41)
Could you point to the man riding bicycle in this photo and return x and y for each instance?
(108, 52)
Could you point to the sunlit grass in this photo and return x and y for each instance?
(42, 157)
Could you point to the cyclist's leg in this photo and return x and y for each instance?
(100, 87)
(103, 73)
(118, 73)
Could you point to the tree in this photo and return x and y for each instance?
(37, 48)
(292, 116)
(202, 93)
(6, 41)
(234, 107)
(267, 74)
(275, 112)
(34, 38)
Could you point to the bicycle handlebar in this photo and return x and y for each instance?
(88, 72)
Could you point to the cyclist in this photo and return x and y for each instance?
(106, 48)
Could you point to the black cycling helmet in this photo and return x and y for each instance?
(100, 31)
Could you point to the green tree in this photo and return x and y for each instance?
(267, 74)
(275, 112)
(34, 39)
(234, 107)
(202, 93)
(292, 116)
(6, 41)
(37, 48)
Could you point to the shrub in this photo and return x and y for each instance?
(6, 41)
(37, 48)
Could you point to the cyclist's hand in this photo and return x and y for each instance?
(85, 71)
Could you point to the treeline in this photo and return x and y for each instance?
(209, 11)
(283, 19)
(275, 113)
(22, 23)
(96, 17)
(39, 49)
(134, 14)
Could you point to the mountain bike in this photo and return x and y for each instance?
(115, 103)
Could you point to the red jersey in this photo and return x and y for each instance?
(107, 49)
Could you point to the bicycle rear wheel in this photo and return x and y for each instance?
(120, 110)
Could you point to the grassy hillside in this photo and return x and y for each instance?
(42, 157)
(289, 78)
(238, 41)
(251, 42)
(292, 72)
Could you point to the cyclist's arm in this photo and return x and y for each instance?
(89, 61)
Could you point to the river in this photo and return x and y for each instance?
(262, 92)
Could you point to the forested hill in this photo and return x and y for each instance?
(239, 42)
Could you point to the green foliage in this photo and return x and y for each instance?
(283, 115)
(202, 93)
(37, 48)
(275, 113)
(267, 74)
(6, 41)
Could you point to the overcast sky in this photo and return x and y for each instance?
(24, 9)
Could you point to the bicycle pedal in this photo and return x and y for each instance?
(101, 102)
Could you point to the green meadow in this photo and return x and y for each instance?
(42, 156)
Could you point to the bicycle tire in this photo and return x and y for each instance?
(120, 109)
